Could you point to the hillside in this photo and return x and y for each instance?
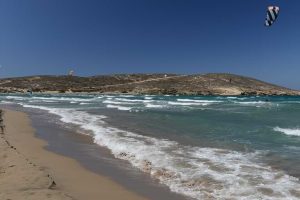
(202, 84)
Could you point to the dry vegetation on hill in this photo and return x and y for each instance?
(202, 84)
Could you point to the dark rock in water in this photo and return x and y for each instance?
(165, 84)
(249, 93)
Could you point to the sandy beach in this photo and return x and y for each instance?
(28, 171)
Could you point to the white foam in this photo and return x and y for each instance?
(154, 106)
(200, 173)
(15, 97)
(65, 99)
(118, 107)
(117, 102)
(252, 102)
(126, 95)
(148, 98)
(134, 100)
(34, 106)
(6, 102)
(41, 101)
(288, 131)
(198, 101)
(231, 97)
(188, 103)
(49, 101)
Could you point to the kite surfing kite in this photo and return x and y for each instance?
(272, 14)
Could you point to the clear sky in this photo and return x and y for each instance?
(138, 36)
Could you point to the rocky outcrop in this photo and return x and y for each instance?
(172, 84)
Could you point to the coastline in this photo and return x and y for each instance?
(174, 150)
(155, 94)
(221, 84)
(41, 167)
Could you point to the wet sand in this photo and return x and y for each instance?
(29, 171)
(75, 143)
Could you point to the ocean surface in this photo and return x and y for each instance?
(200, 147)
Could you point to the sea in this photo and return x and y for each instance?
(200, 147)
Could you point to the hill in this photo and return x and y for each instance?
(201, 84)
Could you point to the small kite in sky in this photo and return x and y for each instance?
(272, 14)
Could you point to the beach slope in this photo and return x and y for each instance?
(28, 171)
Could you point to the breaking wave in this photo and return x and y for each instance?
(154, 106)
(288, 131)
(118, 107)
(197, 172)
(116, 102)
(252, 102)
(199, 101)
(134, 100)
(188, 103)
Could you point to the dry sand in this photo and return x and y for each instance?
(27, 170)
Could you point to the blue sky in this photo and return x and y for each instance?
(145, 36)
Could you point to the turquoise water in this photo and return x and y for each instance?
(202, 147)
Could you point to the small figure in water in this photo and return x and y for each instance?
(29, 92)
(267, 100)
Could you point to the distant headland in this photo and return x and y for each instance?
(156, 84)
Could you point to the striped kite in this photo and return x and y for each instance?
(272, 14)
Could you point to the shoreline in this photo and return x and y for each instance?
(70, 179)
(96, 137)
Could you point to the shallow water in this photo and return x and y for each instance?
(201, 147)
